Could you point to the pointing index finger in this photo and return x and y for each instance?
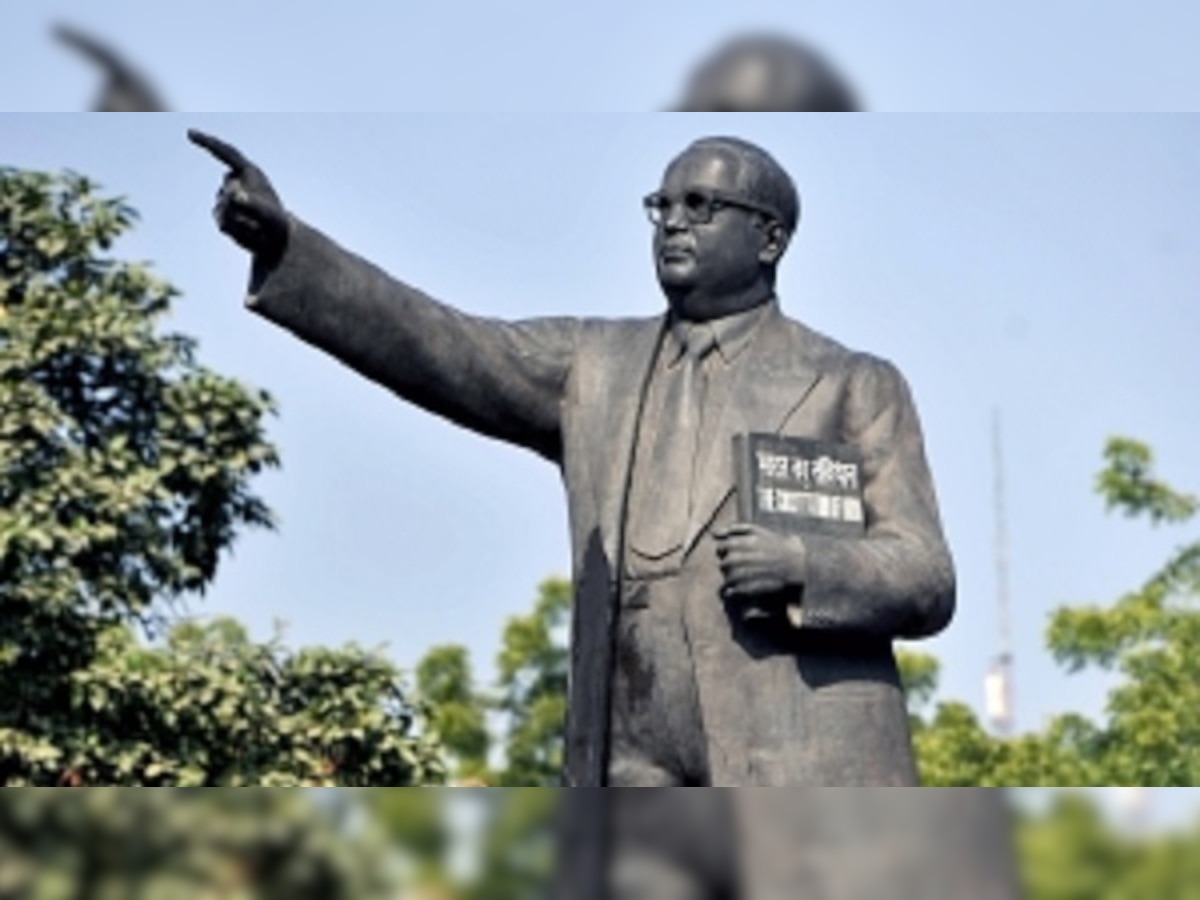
(226, 153)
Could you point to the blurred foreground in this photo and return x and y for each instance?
(749, 73)
(124, 87)
(499, 844)
(768, 73)
(1020, 57)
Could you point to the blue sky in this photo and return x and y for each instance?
(1046, 266)
(540, 55)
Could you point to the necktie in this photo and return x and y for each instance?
(664, 507)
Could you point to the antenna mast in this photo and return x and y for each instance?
(998, 685)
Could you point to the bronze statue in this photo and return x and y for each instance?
(706, 650)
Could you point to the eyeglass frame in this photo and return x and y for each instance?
(715, 201)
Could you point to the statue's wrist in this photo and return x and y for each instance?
(265, 261)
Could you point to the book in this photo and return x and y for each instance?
(796, 485)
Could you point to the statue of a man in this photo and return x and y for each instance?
(706, 650)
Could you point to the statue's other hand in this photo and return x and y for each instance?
(247, 207)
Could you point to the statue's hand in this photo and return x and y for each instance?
(247, 208)
(757, 562)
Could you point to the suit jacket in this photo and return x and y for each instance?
(819, 705)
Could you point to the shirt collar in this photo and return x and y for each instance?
(732, 332)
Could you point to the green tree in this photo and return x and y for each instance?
(1150, 637)
(1070, 852)
(1073, 852)
(517, 849)
(529, 695)
(125, 470)
(209, 706)
(419, 826)
(952, 748)
(185, 845)
(919, 674)
(506, 854)
(533, 672)
(458, 712)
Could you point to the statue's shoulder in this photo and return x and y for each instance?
(613, 328)
(606, 336)
(833, 357)
(819, 349)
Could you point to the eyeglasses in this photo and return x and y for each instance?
(699, 206)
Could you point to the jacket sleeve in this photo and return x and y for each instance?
(898, 580)
(505, 380)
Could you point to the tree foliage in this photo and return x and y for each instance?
(125, 474)
(418, 824)
(458, 711)
(1072, 852)
(518, 847)
(529, 696)
(509, 856)
(1149, 637)
(533, 672)
(184, 845)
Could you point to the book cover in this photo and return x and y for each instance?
(798, 485)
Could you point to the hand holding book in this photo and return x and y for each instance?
(758, 563)
(786, 487)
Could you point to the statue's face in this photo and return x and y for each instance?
(706, 262)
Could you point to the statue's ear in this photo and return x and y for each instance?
(775, 242)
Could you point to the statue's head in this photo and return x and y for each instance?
(723, 218)
(763, 73)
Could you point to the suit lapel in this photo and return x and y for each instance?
(774, 375)
(625, 390)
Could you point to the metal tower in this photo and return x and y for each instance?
(998, 684)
